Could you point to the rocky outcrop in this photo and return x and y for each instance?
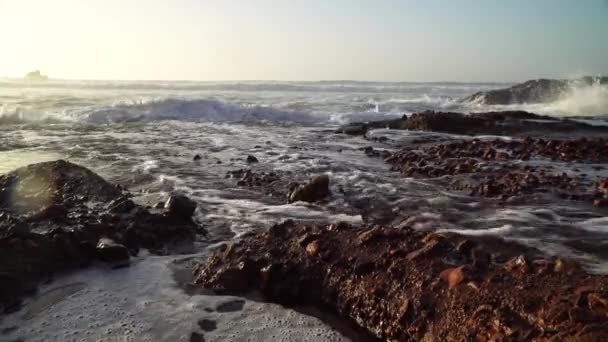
(533, 91)
(57, 216)
(500, 168)
(493, 123)
(406, 285)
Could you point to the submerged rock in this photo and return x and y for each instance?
(316, 190)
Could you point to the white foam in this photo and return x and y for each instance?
(142, 303)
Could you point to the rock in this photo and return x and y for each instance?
(359, 129)
(251, 159)
(197, 157)
(65, 217)
(313, 248)
(331, 271)
(453, 276)
(110, 251)
(316, 190)
(180, 206)
(196, 337)
(207, 325)
(534, 91)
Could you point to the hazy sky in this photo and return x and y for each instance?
(436, 40)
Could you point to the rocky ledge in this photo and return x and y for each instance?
(58, 216)
(514, 123)
(401, 284)
(533, 91)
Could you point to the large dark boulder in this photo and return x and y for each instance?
(37, 186)
(58, 216)
(180, 206)
(110, 251)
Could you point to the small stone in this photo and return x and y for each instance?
(313, 248)
(601, 203)
(598, 303)
(308, 238)
(315, 190)
(368, 235)
(453, 276)
(196, 337)
(517, 263)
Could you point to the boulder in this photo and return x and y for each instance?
(180, 206)
(110, 251)
(316, 190)
(533, 91)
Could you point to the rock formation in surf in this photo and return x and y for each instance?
(533, 91)
(57, 216)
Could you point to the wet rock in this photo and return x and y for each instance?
(180, 206)
(110, 251)
(196, 337)
(251, 159)
(453, 276)
(316, 190)
(356, 280)
(64, 217)
(197, 157)
(533, 91)
(313, 248)
(359, 129)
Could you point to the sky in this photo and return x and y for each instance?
(381, 40)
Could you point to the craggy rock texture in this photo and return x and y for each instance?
(533, 91)
(490, 169)
(491, 123)
(57, 216)
(405, 285)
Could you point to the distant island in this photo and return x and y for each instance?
(35, 75)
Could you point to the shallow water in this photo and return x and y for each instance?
(144, 136)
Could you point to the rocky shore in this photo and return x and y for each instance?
(511, 123)
(385, 275)
(400, 283)
(58, 216)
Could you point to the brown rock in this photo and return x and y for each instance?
(313, 248)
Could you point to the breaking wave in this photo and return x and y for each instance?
(589, 100)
